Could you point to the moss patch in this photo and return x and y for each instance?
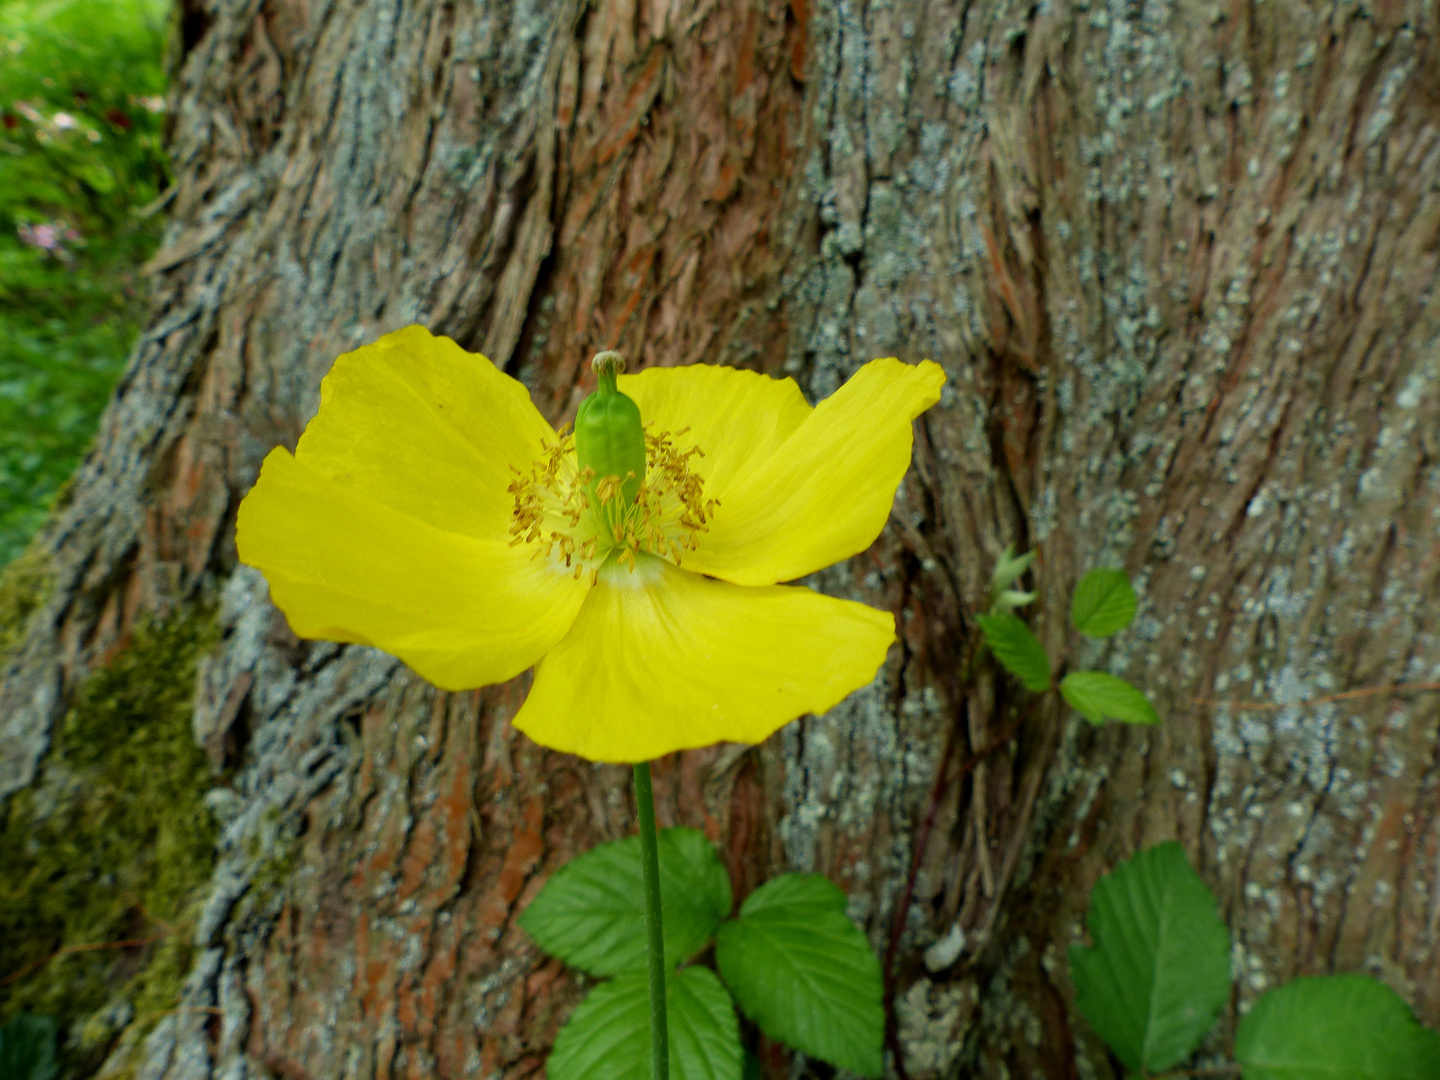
(24, 586)
(113, 843)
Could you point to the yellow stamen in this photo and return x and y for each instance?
(553, 508)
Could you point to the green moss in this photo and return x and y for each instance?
(274, 870)
(24, 586)
(113, 843)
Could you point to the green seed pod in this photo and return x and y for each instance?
(609, 438)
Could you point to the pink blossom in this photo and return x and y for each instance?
(50, 237)
(44, 237)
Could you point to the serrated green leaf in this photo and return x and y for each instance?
(805, 973)
(608, 1035)
(1103, 603)
(1158, 972)
(1335, 1027)
(591, 913)
(1017, 649)
(1099, 697)
(27, 1048)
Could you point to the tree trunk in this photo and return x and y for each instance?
(1178, 262)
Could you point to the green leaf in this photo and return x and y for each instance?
(27, 1048)
(608, 1035)
(1017, 649)
(1159, 971)
(1335, 1027)
(1103, 603)
(1098, 697)
(805, 973)
(591, 913)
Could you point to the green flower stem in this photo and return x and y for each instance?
(650, 867)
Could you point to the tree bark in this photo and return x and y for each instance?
(1179, 263)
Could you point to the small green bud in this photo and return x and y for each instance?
(1007, 572)
(1011, 599)
(609, 438)
(1009, 569)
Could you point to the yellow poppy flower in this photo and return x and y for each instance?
(429, 510)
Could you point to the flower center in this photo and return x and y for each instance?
(570, 515)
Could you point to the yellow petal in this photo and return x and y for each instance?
(824, 493)
(462, 611)
(738, 418)
(661, 659)
(420, 425)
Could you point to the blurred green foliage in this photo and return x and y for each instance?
(81, 113)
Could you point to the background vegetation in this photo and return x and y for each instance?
(81, 170)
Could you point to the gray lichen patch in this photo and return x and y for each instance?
(934, 1022)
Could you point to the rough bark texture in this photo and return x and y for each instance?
(1179, 262)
